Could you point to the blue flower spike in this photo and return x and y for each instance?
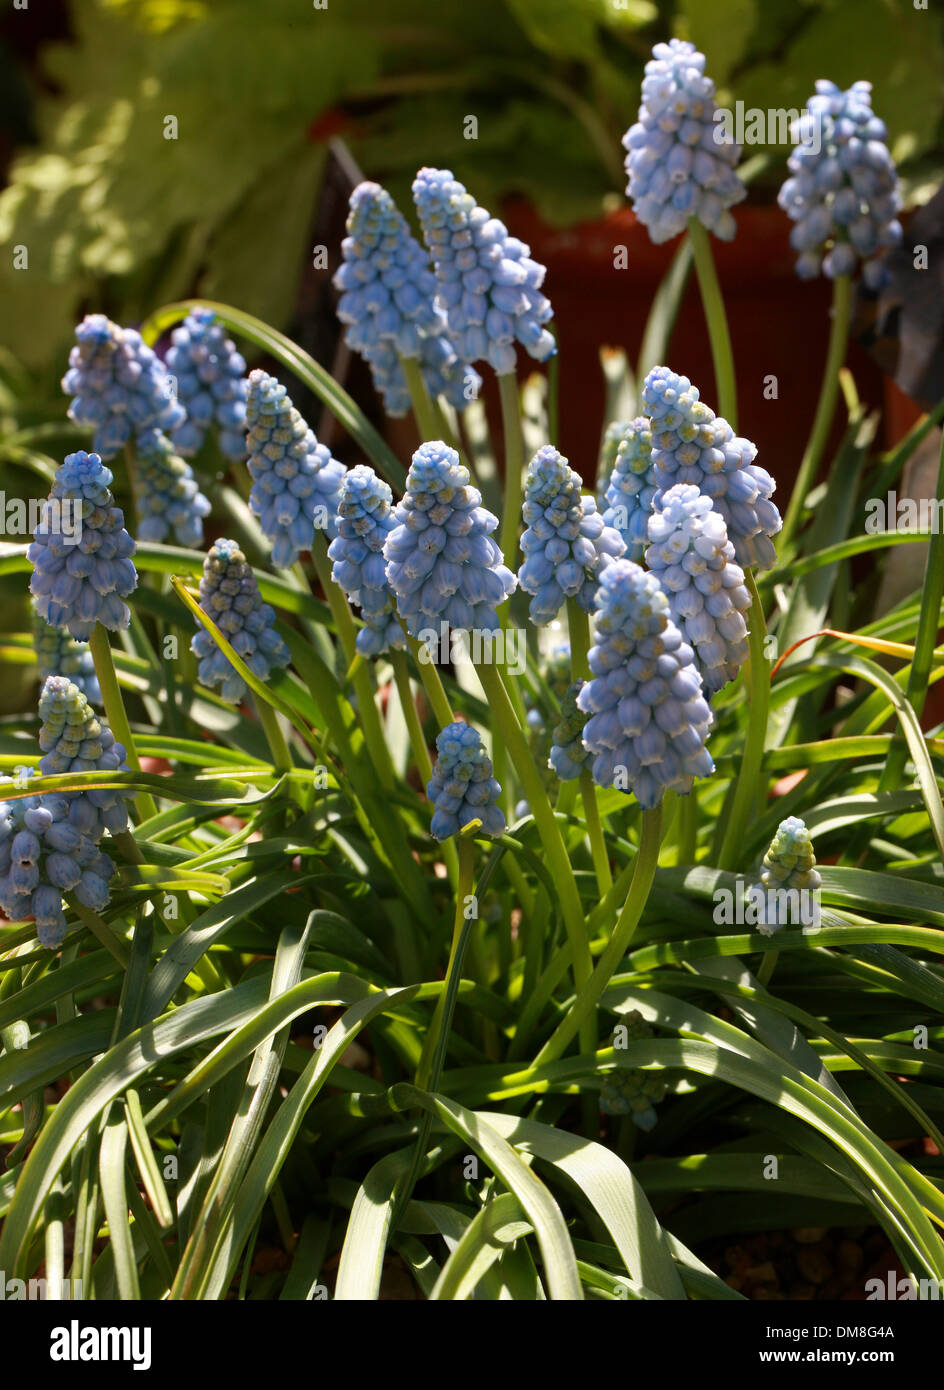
(49, 844)
(566, 544)
(118, 384)
(211, 385)
(442, 563)
(230, 596)
(842, 192)
(81, 553)
(296, 482)
(365, 519)
(388, 304)
(693, 559)
(169, 501)
(462, 788)
(690, 444)
(568, 755)
(58, 654)
(489, 286)
(678, 162)
(631, 485)
(649, 720)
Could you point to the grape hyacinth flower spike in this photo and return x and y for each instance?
(81, 553)
(842, 192)
(388, 304)
(631, 485)
(462, 788)
(649, 720)
(788, 891)
(566, 544)
(118, 385)
(211, 384)
(693, 559)
(49, 844)
(168, 497)
(442, 563)
(690, 444)
(568, 754)
(58, 654)
(230, 596)
(680, 160)
(488, 285)
(296, 482)
(365, 519)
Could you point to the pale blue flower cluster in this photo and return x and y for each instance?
(568, 755)
(442, 563)
(296, 482)
(49, 844)
(81, 553)
(74, 739)
(211, 384)
(692, 558)
(631, 486)
(489, 287)
(118, 384)
(788, 871)
(58, 654)
(606, 459)
(169, 501)
(843, 191)
(230, 596)
(566, 545)
(365, 519)
(388, 303)
(677, 160)
(690, 444)
(649, 718)
(462, 788)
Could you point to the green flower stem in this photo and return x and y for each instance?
(825, 409)
(432, 684)
(554, 848)
(102, 931)
(688, 827)
(723, 359)
(929, 620)
(752, 755)
(514, 467)
(281, 757)
(578, 624)
(421, 756)
(115, 710)
(424, 411)
(430, 1060)
(401, 675)
(588, 995)
(363, 686)
(721, 355)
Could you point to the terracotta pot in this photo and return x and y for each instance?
(779, 326)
